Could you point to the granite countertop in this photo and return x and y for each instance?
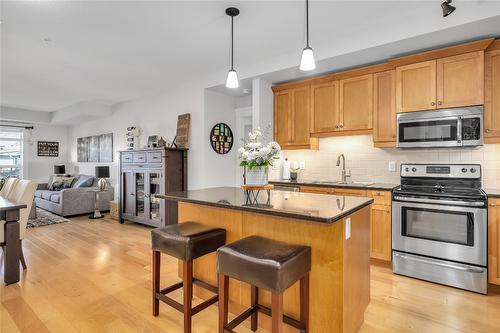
(306, 182)
(305, 206)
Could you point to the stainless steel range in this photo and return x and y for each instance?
(439, 225)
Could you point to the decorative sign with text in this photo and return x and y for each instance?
(48, 148)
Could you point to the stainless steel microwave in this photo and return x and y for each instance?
(441, 128)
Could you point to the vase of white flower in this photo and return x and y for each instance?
(256, 157)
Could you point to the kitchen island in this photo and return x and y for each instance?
(337, 228)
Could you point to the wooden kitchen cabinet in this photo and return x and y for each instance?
(292, 118)
(460, 80)
(440, 84)
(316, 189)
(384, 109)
(349, 192)
(356, 103)
(416, 87)
(494, 240)
(380, 226)
(325, 107)
(492, 97)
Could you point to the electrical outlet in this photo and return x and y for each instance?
(392, 166)
(348, 228)
(302, 165)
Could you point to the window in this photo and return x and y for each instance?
(11, 153)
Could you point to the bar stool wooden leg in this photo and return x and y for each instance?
(255, 301)
(223, 301)
(187, 279)
(304, 303)
(277, 313)
(156, 282)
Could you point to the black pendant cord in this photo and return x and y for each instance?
(232, 43)
(307, 22)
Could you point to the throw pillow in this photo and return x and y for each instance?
(84, 181)
(61, 182)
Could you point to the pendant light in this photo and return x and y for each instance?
(307, 62)
(232, 78)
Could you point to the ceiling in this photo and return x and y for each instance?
(58, 53)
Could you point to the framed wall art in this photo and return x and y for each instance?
(97, 148)
(48, 148)
(221, 138)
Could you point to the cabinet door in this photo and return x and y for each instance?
(460, 80)
(300, 116)
(154, 205)
(492, 95)
(356, 103)
(494, 241)
(349, 192)
(380, 225)
(316, 189)
(140, 208)
(282, 111)
(325, 107)
(128, 193)
(384, 107)
(416, 87)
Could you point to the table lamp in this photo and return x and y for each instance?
(59, 169)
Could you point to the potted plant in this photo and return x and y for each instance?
(256, 157)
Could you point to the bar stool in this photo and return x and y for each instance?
(185, 241)
(266, 264)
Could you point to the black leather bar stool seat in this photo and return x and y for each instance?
(266, 264)
(186, 242)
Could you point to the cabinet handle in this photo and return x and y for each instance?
(492, 205)
(433, 103)
(377, 193)
(341, 125)
(336, 126)
(487, 130)
(440, 103)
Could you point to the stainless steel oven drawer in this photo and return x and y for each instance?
(469, 277)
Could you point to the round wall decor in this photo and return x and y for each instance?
(221, 138)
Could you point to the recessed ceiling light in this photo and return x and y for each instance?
(246, 91)
(47, 40)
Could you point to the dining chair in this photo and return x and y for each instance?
(8, 186)
(22, 192)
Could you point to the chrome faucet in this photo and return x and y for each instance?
(345, 173)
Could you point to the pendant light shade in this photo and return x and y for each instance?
(232, 77)
(307, 62)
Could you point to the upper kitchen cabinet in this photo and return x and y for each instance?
(356, 103)
(292, 118)
(325, 113)
(439, 84)
(460, 80)
(416, 87)
(492, 97)
(384, 109)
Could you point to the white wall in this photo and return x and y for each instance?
(219, 169)
(368, 163)
(40, 168)
(155, 115)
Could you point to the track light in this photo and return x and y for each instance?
(447, 8)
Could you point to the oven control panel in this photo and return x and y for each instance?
(469, 171)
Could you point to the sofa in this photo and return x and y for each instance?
(74, 200)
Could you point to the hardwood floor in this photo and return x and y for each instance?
(95, 276)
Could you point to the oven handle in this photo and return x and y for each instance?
(445, 265)
(448, 202)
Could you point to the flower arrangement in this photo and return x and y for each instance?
(255, 153)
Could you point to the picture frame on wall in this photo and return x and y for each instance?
(48, 148)
(97, 148)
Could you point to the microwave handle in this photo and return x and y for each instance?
(459, 130)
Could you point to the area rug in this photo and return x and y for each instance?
(44, 218)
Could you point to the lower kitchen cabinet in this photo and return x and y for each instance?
(381, 218)
(380, 226)
(494, 241)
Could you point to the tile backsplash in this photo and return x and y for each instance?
(368, 163)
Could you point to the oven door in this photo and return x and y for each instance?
(455, 233)
(433, 132)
